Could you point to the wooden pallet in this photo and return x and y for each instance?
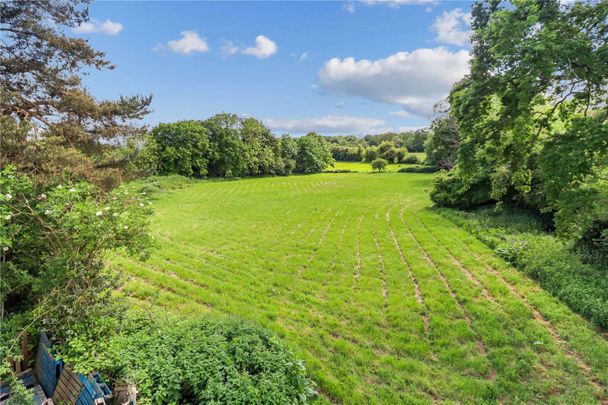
(68, 389)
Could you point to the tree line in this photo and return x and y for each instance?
(227, 145)
(528, 126)
(390, 146)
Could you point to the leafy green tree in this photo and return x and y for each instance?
(371, 154)
(289, 153)
(181, 148)
(313, 154)
(225, 157)
(41, 91)
(379, 165)
(538, 77)
(260, 148)
(441, 146)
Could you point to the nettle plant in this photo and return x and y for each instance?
(53, 245)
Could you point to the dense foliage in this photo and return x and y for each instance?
(394, 148)
(53, 243)
(532, 114)
(441, 146)
(227, 145)
(211, 360)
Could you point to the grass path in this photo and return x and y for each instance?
(385, 300)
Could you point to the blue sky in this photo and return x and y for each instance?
(334, 67)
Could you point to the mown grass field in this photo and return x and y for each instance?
(385, 300)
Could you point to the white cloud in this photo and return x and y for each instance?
(452, 27)
(350, 7)
(339, 104)
(228, 48)
(414, 80)
(328, 124)
(189, 42)
(264, 47)
(94, 26)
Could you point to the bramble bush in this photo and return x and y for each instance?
(207, 360)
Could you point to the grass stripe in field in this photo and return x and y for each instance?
(383, 307)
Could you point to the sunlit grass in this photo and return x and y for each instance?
(386, 300)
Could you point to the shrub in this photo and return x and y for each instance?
(451, 190)
(208, 360)
(418, 169)
(379, 165)
(410, 160)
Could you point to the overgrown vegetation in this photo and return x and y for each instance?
(203, 360)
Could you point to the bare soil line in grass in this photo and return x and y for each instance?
(478, 341)
(382, 269)
(358, 254)
(418, 293)
(458, 263)
(319, 244)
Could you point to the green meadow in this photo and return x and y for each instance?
(386, 300)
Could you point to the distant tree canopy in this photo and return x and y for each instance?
(52, 127)
(227, 145)
(393, 147)
(532, 114)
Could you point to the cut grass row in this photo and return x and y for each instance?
(385, 300)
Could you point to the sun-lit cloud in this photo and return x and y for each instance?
(328, 124)
(413, 80)
(264, 47)
(94, 26)
(190, 42)
(453, 27)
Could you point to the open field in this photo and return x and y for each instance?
(384, 299)
(367, 167)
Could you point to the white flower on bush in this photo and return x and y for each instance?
(5, 248)
(141, 204)
(115, 214)
(99, 213)
(72, 190)
(48, 212)
(106, 209)
(42, 196)
(126, 227)
(8, 196)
